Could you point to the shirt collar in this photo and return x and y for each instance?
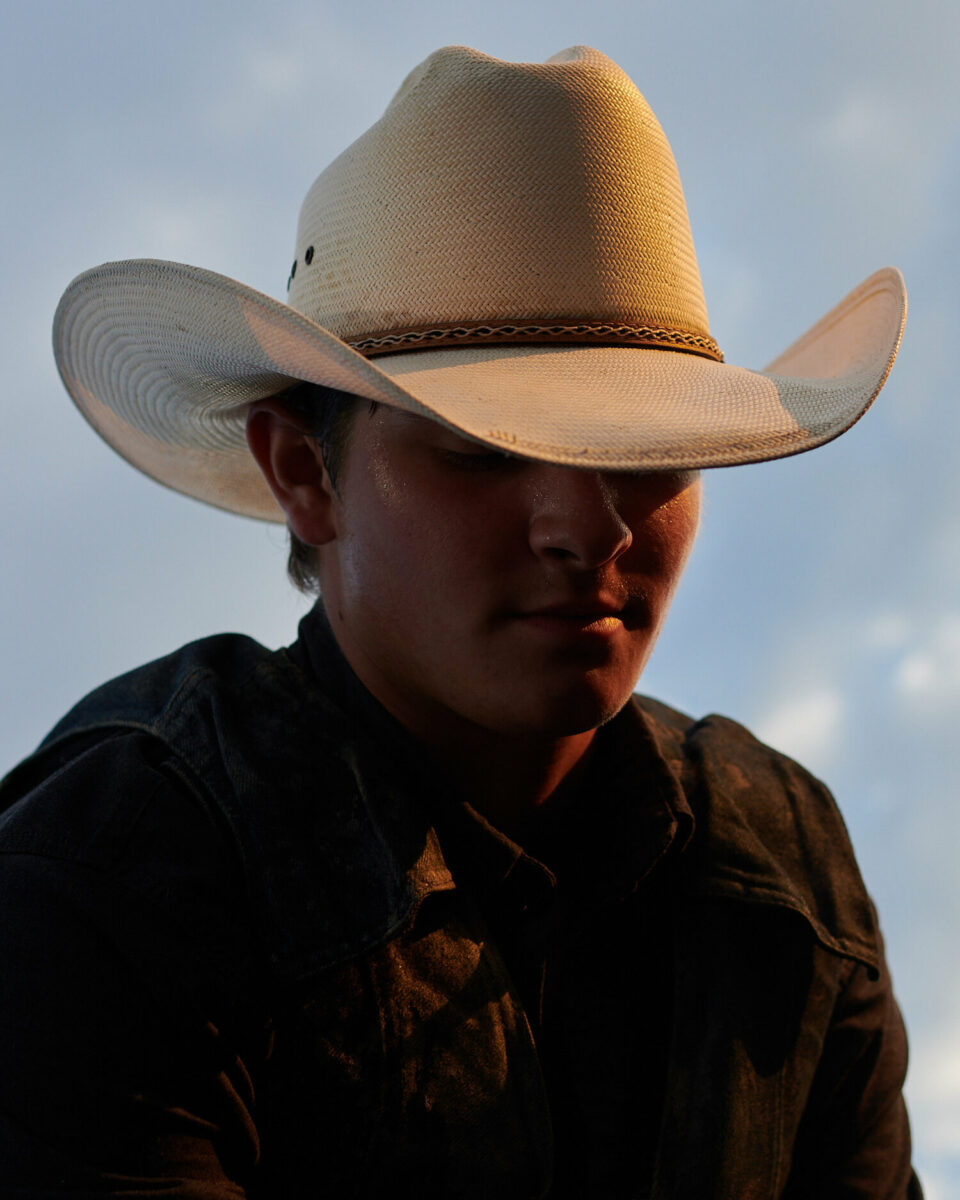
(629, 816)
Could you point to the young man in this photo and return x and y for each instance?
(427, 904)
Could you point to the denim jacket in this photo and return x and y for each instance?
(784, 1055)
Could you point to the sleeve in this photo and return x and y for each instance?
(124, 1070)
(854, 1141)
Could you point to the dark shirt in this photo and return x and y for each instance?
(635, 999)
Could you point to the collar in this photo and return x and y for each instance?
(628, 817)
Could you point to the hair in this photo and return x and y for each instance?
(328, 414)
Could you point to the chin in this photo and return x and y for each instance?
(566, 715)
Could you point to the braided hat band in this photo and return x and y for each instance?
(541, 333)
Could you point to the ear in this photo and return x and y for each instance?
(292, 465)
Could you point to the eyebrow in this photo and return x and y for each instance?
(409, 415)
(431, 423)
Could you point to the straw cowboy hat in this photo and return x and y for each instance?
(506, 251)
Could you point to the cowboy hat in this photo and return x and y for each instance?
(506, 251)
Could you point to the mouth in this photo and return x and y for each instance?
(598, 626)
(577, 619)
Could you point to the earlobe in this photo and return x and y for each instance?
(292, 465)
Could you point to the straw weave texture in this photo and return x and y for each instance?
(492, 190)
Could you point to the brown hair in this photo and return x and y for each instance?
(327, 413)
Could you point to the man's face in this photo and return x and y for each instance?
(465, 586)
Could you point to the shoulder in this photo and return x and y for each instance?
(107, 778)
(115, 804)
(95, 796)
(151, 694)
(111, 842)
(718, 755)
(133, 792)
(198, 708)
(257, 743)
(767, 830)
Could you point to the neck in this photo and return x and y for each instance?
(507, 779)
(505, 776)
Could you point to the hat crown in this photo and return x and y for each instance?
(496, 191)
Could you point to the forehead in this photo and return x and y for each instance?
(400, 424)
(406, 452)
(405, 422)
(378, 430)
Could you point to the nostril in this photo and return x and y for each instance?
(575, 518)
(580, 542)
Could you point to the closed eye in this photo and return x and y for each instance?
(480, 459)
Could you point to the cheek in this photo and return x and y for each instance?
(664, 537)
(398, 551)
(683, 522)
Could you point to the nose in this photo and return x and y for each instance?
(575, 518)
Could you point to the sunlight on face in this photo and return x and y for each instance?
(466, 585)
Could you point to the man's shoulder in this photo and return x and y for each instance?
(716, 751)
(111, 773)
(82, 804)
(207, 703)
(257, 741)
(768, 831)
(136, 775)
(114, 872)
(149, 704)
(148, 695)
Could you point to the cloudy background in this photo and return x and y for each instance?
(816, 142)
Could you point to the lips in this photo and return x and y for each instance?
(578, 611)
(586, 607)
(595, 617)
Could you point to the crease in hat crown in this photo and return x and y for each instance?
(501, 201)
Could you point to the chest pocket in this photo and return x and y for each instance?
(411, 1071)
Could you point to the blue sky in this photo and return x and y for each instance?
(816, 143)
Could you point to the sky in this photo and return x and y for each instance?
(815, 142)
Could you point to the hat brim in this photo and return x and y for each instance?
(164, 360)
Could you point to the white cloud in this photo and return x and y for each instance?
(174, 225)
(302, 78)
(805, 725)
(929, 673)
(277, 71)
(886, 631)
(863, 124)
(937, 1185)
(933, 1098)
